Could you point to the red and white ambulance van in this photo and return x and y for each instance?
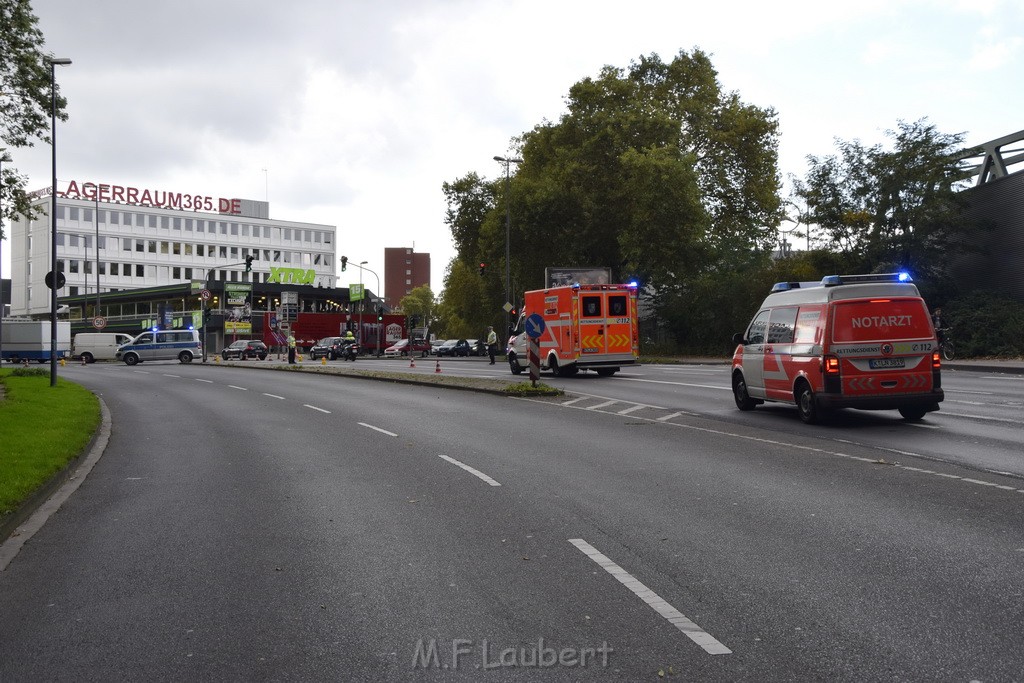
(849, 341)
(586, 327)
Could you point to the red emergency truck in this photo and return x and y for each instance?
(586, 327)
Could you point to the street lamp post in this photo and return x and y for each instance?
(3, 158)
(53, 216)
(508, 223)
(380, 327)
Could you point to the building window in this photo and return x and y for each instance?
(73, 291)
(188, 225)
(72, 239)
(165, 222)
(199, 250)
(126, 244)
(73, 266)
(188, 273)
(223, 228)
(87, 215)
(127, 218)
(88, 267)
(103, 242)
(102, 267)
(114, 218)
(152, 220)
(140, 220)
(164, 248)
(73, 213)
(177, 223)
(113, 268)
(60, 265)
(176, 248)
(255, 231)
(245, 231)
(234, 252)
(60, 241)
(140, 270)
(152, 246)
(223, 252)
(60, 212)
(176, 273)
(188, 249)
(200, 226)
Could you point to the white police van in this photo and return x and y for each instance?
(180, 345)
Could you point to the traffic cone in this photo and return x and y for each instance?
(412, 362)
(437, 368)
(83, 362)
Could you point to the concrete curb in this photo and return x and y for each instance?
(33, 513)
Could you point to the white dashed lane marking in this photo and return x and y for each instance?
(674, 616)
(471, 470)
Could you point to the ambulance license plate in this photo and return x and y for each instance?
(884, 363)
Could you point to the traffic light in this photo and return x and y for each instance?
(206, 315)
(380, 313)
(483, 269)
(344, 263)
(248, 263)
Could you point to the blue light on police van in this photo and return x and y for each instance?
(831, 281)
(904, 277)
(634, 283)
(780, 287)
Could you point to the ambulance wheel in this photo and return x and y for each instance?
(806, 405)
(513, 365)
(912, 414)
(606, 372)
(739, 392)
(553, 366)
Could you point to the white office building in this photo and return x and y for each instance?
(118, 238)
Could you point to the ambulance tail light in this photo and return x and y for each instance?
(936, 360)
(831, 365)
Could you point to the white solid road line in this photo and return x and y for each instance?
(674, 616)
(376, 429)
(474, 472)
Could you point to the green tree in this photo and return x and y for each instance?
(25, 97)
(654, 171)
(897, 208)
(419, 303)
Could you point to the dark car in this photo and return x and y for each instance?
(454, 347)
(245, 348)
(328, 347)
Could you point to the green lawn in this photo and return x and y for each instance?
(41, 429)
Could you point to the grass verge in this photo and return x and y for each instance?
(42, 428)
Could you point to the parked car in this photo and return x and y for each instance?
(328, 347)
(477, 347)
(434, 344)
(245, 348)
(399, 348)
(454, 347)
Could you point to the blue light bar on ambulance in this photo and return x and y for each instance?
(833, 280)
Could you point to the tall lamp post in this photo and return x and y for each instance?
(380, 327)
(62, 61)
(508, 223)
(3, 158)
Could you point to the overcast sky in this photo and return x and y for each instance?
(353, 113)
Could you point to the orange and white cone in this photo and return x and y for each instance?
(412, 362)
(437, 368)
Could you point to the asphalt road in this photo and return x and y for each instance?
(280, 526)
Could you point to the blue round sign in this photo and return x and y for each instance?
(535, 326)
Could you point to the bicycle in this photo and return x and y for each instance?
(946, 346)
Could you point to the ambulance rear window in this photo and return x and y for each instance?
(592, 307)
(880, 319)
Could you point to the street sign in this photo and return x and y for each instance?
(50, 283)
(205, 295)
(535, 326)
(99, 322)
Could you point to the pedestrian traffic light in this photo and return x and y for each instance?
(483, 269)
(344, 263)
(380, 313)
(248, 263)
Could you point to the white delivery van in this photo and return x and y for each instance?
(94, 346)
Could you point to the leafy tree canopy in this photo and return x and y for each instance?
(896, 208)
(25, 98)
(654, 171)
